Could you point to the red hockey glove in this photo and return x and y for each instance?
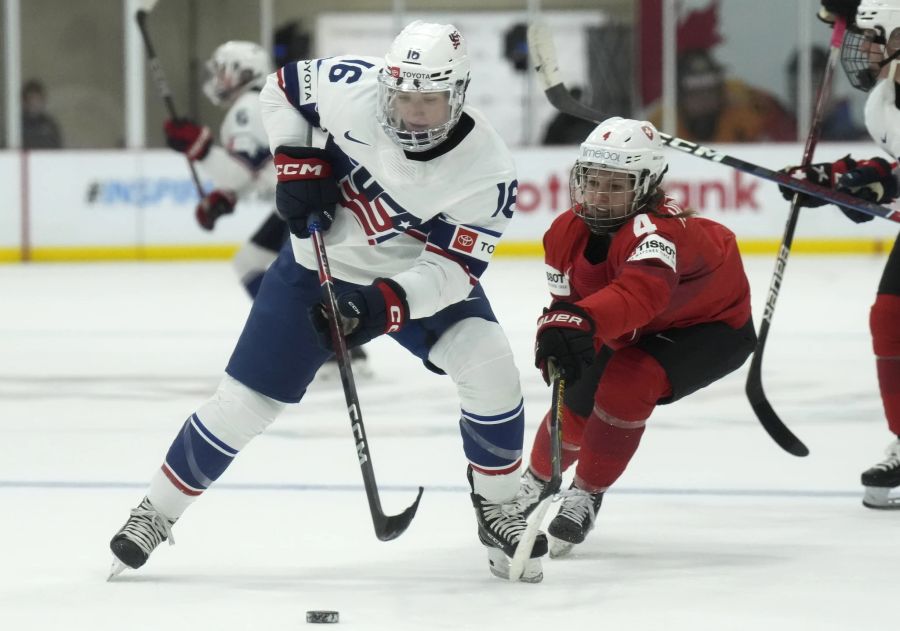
(566, 335)
(186, 136)
(872, 180)
(306, 186)
(366, 313)
(213, 206)
(822, 173)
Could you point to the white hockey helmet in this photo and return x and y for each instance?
(619, 168)
(234, 67)
(863, 53)
(422, 86)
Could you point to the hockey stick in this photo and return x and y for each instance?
(755, 393)
(540, 43)
(387, 527)
(526, 543)
(159, 77)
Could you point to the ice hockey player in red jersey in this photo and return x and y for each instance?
(649, 304)
(870, 56)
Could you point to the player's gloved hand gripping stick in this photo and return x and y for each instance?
(387, 527)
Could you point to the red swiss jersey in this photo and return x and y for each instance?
(659, 273)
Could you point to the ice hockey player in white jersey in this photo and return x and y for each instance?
(240, 164)
(414, 189)
(870, 55)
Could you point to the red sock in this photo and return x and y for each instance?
(573, 428)
(632, 383)
(884, 323)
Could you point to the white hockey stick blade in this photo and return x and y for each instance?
(543, 54)
(526, 543)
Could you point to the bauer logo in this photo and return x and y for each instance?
(557, 281)
(655, 247)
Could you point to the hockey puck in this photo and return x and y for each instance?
(322, 617)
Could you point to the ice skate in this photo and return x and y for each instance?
(881, 479)
(500, 527)
(574, 521)
(529, 494)
(145, 529)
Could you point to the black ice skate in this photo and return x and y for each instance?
(574, 521)
(881, 478)
(145, 529)
(500, 527)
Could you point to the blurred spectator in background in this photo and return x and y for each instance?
(838, 122)
(565, 129)
(39, 129)
(711, 107)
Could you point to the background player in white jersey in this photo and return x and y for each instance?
(414, 189)
(240, 165)
(870, 54)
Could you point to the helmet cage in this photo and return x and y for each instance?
(392, 90)
(863, 57)
(589, 183)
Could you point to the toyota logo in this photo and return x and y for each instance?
(465, 240)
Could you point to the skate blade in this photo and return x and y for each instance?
(499, 565)
(117, 568)
(880, 498)
(559, 548)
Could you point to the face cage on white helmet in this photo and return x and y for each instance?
(603, 219)
(863, 57)
(390, 88)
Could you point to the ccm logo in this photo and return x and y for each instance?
(561, 318)
(395, 319)
(300, 170)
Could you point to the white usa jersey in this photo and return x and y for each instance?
(429, 220)
(883, 117)
(242, 162)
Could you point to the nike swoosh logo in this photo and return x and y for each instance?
(352, 139)
(884, 139)
(468, 299)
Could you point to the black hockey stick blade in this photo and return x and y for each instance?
(389, 527)
(766, 414)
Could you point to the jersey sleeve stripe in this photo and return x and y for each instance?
(287, 81)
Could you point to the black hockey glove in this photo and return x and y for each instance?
(305, 187)
(831, 9)
(566, 335)
(366, 313)
(822, 173)
(872, 180)
(186, 136)
(214, 205)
